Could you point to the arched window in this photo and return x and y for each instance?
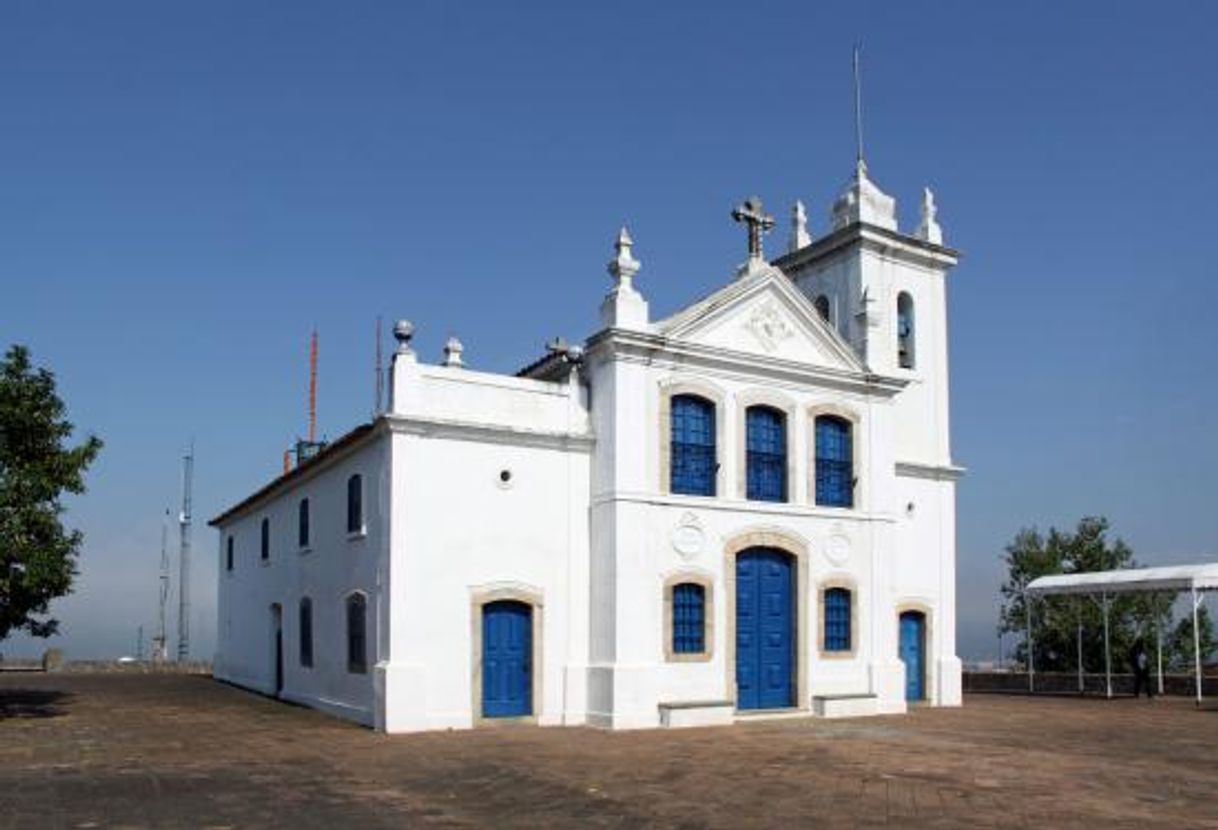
(228, 555)
(355, 504)
(265, 548)
(905, 330)
(693, 464)
(303, 529)
(306, 632)
(822, 307)
(837, 619)
(357, 634)
(834, 462)
(765, 454)
(688, 618)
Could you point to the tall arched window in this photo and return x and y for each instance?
(265, 547)
(357, 634)
(355, 504)
(837, 619)
(693, 465)
(834, 462)
(228, 555)
(765, 454)
(306, 632)
(302, 531)
(822, 307)
(688, 618)
(905, 330)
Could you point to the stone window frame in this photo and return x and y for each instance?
(855, 419)
(790, 411)
(930, 689)
(797, 548)
(851, 585)
(718, 398)
(531, 596)
(707, 583)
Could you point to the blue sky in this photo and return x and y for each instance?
(187, 189)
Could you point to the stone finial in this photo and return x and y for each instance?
(403, 332)
(929, 229)
(623, 267)
(863, 202)
(800, 238)
(452, 352)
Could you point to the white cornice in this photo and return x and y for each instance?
(655, 349)
(935, 472)
(725, 505)
(491, 433)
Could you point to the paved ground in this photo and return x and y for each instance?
(182, 751)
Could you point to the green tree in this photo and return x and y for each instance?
(1059, 620)
(1178, 648)
(37, 466)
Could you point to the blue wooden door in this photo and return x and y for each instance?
(913, 654)
(765, 630)
(507, 659)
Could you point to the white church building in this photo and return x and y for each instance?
(744, 509)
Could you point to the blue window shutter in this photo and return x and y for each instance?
(837, 619)
(834, 463)
(688, 618)
(766, 454)
(693, 466)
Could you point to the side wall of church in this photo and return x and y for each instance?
(334, 565)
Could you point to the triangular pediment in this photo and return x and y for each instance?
(763, 313)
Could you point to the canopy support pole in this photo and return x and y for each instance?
(1197, 643)
(1078, 606)
(1107, 649)
(1027, 618)
(1159, 645)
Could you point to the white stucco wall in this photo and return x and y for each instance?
(334, 565)
(462, 534)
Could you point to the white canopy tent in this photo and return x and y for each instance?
(1192, 579)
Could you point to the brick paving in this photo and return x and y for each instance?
(183, 751)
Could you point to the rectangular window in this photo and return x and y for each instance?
(306, 633)
(837, 619)
(688, 618)
(266, 540)
(692, 436)
(834, 462)
(303, 530)
(357, 643)
(765, 454)
(355, 504)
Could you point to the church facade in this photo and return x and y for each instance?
(744, 509)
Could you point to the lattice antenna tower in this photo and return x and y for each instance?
(160, 646)
(188, 465)
(378, 374)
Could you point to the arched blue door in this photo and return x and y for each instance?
(913, 653)
(507, 659)
(765, 630)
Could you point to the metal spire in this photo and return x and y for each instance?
(858, 110)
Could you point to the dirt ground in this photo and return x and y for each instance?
(185, 751)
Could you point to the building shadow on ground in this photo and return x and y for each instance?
(32, 703)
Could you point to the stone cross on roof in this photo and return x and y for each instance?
(757, 220)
